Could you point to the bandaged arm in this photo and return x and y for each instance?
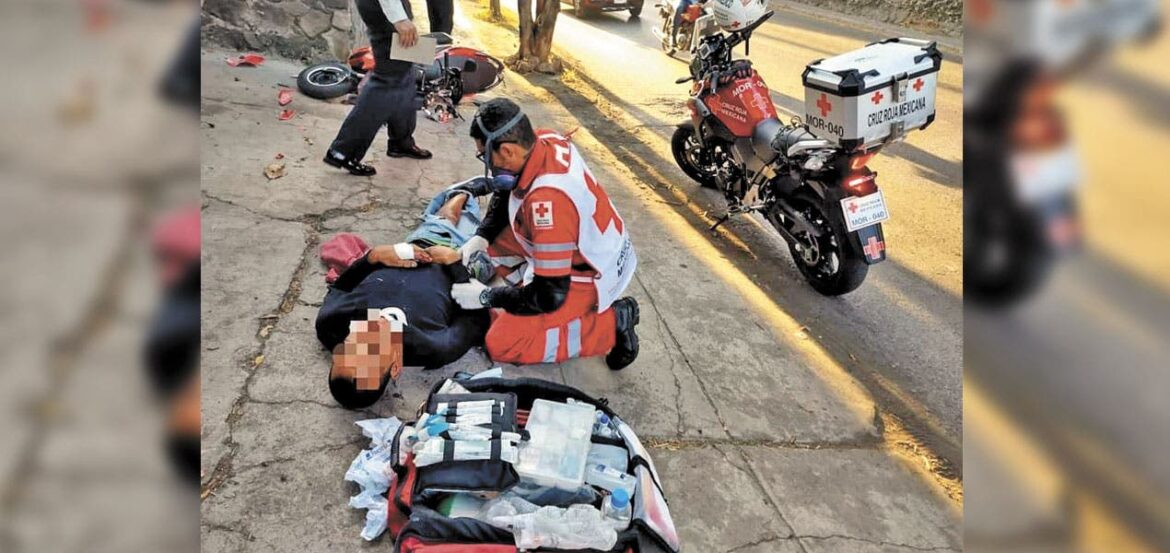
(542, 295)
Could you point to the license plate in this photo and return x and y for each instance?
(864, 211)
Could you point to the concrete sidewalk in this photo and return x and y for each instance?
(764, 444)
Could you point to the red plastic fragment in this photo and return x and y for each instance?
(285, 97)
(287, 114)
(246, 59)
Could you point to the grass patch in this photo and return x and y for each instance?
(506, 19)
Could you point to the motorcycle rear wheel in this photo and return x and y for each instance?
(690, 157)
(326, 80)
(828, 264)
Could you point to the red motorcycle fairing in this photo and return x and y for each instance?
(362, 59)
(741, 104)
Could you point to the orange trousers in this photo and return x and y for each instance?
(574, 330)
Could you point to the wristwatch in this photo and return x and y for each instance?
(485, 297)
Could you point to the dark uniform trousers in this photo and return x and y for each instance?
(388, 97)
(441, 14)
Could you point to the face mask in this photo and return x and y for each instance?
(503, 181)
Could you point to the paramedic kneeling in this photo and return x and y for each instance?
(577, 254)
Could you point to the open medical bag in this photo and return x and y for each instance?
(872, 95)
(414, 518)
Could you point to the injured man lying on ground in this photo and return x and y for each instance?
(390, 306)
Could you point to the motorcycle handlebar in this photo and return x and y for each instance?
(682, 80)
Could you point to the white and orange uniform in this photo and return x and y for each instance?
(561, 223)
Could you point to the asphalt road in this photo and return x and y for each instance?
(901, 333)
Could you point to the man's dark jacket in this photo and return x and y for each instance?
(437, 330)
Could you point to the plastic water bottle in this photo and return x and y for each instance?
(616, 509)
(602, 426)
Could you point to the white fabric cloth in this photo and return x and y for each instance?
(393, 10)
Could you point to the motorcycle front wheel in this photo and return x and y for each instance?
(1005, 255)
(826, 262)
(326, 80)
(691, 157)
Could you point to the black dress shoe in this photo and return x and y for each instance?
(625, 350)
(354, 167)
(412, 152)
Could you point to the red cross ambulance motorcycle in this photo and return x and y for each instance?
(808, 179)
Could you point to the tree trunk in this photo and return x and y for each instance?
(536, 35)
(495, 9)
(546, 23)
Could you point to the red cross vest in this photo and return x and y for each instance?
(603, 238)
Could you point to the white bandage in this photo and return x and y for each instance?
(395, 317)
(404, 251)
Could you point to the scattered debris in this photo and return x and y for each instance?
(253, 60)
(274, 171)
(287, 114)
(284, 97)
(80, 107)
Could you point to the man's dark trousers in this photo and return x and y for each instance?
(442, 15)
(388, 97)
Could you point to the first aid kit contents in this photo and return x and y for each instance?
(558, 444)
(494, 463)
(465, 429)
(574, 527)
(872, 95)
(616, 509)
(608, 455)
(603, 427)
(610, 479)
(372, 471)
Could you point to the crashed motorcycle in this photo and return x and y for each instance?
(814, 188)
(697, 22)
(456, 73)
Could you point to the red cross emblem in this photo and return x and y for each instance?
(542, 215)
(852, 207)
(918, 85)
(877, 97)
(874, 248)
(824, 104)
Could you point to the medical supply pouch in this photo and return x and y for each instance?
(416, 500)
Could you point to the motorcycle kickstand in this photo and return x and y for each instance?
(726, 217)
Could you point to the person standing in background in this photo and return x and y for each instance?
(388, 98)
(441, 14)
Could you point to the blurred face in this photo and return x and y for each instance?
(508, 156)
(367, 353)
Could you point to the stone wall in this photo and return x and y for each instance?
(308, 30)
(938, 16)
